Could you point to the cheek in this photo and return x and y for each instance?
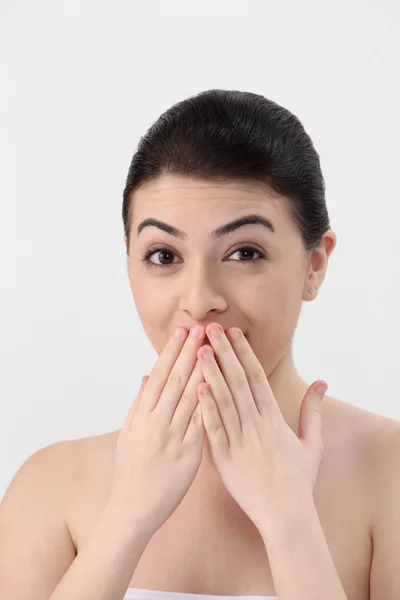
(284, 315)
(147, 296)
(155, 311)
(276, 316)
(287, 304)
(272, 299)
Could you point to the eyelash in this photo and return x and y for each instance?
(149, 253)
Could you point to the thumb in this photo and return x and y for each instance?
(135, 404)
(310, 425)
(142, 386)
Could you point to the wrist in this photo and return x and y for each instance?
(129, 527)
(284, 518)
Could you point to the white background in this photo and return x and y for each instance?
(80, 83)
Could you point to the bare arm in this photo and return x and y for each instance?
(301, 564)
(385, 572)
(104, 568)
(37, 556)
(35, 546)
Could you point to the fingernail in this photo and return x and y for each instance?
(321, 389)
(208, 356)
(179, 333)
(217, 331)
(235, 334)
(195, 331)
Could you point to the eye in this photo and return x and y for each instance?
(163, 250)
(250, 250)
(168, 253)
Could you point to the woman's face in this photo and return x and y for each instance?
(212, 278)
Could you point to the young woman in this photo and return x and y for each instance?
(264, 485)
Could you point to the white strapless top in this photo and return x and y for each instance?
(137, 594)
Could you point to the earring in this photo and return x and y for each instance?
(310, 291)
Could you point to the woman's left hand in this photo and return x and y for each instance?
(261, 461)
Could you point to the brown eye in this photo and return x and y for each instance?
(166, 254)
(249, 250)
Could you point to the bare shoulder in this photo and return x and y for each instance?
(32, 521)
(373, 438)
(90, 464)
(50, 472)
(49, 469)
(59, 471)
(369, 431)
(36, 545)
(366, 445)
(91, 467)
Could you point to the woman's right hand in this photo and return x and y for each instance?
(159, 448)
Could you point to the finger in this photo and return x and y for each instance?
(187, 402)
(144, 381)
(143, 384)
(262, 396)
(221, 393)
(195, 432)
(233, 373)
(213, 425)
(310, 420)
(161, 371)
(135, 404)
(178, 377)
(162, 368)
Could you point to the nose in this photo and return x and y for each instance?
(202, 294)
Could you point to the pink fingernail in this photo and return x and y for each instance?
(179, 333)
(207, 356)
(195, 331)
(321, 389)
(235, 334)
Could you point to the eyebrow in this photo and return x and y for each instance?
(217, 233)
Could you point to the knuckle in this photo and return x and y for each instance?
(257, 376)
(215, 429)
(241, 380)
(186, 399)
(196, 418)
(226, 401)
(174, 379)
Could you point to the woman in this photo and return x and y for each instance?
(263, 486)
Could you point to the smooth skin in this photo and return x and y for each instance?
(205, 283)
(262, 463)
(160, 445)
(208, 280)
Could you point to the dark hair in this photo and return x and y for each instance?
(228, 134)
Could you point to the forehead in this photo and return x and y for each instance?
(199, 201)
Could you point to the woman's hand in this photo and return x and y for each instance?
(160, 446)
(261, 461)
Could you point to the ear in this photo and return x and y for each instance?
(318, 264)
